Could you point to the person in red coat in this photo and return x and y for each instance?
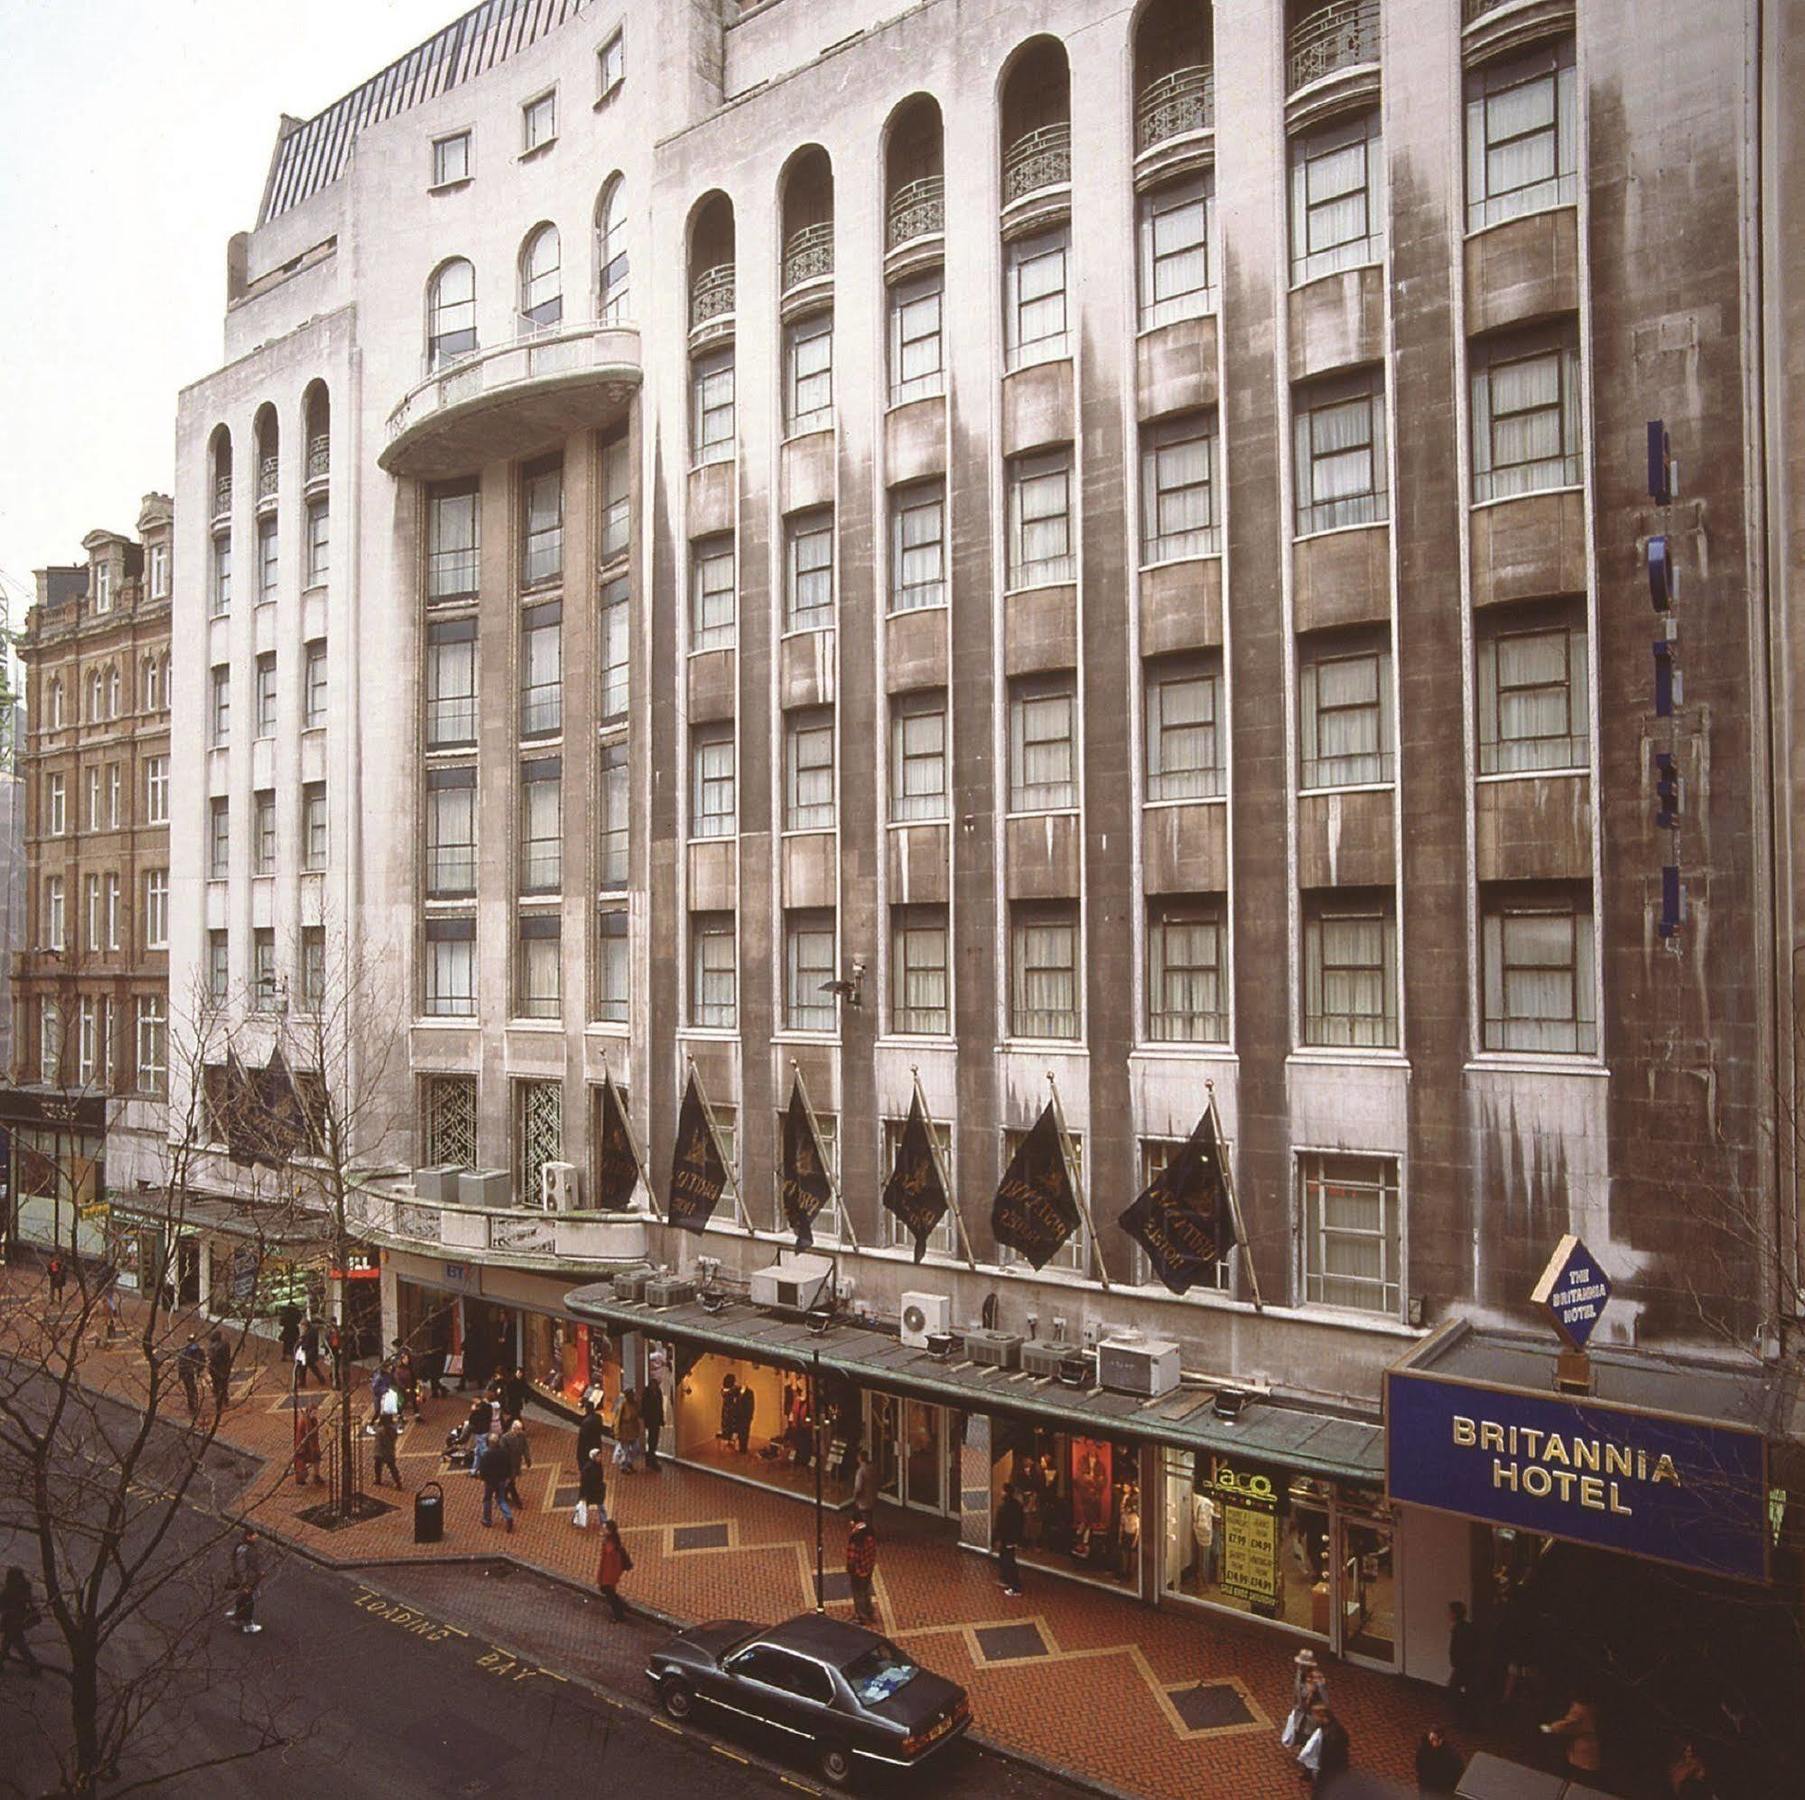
(614, 1564)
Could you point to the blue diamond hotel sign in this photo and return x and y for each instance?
(1575, 1290)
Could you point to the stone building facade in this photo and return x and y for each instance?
(1025, 541)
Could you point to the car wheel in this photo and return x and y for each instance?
(835, 1763)
(677, 1699)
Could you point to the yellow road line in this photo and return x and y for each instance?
(731, 1755)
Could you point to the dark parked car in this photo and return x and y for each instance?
(847, 1692)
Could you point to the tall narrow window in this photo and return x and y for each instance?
(539, 121)
(1522, 135)
(156, 790)
(1352, 1232)
(917, 546)
(712, 784)
(150, 685)
(918, 757)
(112, 909)
(1040, 519)
(617, 497)
(711, 407)
(1350, 969)
(920, 1004)
(220, 584)
(809, 969)
(103, 587)
(265, 988)
(219, 838)
(156, 910)
(1185, 987)
(1341, 472)
(319, 542)
(541, 826)
(269, 556)
(808, 354)
(538, 969)
(266, 694)
(450, 683)
(1540, 996)
(613, 826)
(451, 159)
(1337, 215)
(91, 899)
(614, 644)
(541, 281)
(158, 555)
(542, 670)
(611, 253)
(1175, 224)
(313, 696)
(55, 922)
(451, 314)
(56, 815)
(314, 826)
(809, 770)
(1527, 415)
(219, 965)
(450, 832)
(450, 969)
(611, 65)
(1043, 759)
(263, 832)
(1178, 489)
(452, 527)
(1043, 979)
(1533, 703)
(219, 708)
(810, 573)
(313, 968)
(92, 813)
(541, 523)
(917, 356)
(1345, 715)
(614, 970)
(1184, 742)
(713, 979)
(711, 619)
(1034, 297)
(153, 1044)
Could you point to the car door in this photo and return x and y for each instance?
(764, 1688)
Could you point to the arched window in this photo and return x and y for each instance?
(96, 694)
(113, 692)
(55, 707)
(541, 279)
(451, 313)
(611, 252)
(150, 689)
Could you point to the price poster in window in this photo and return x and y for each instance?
(1250, 1537)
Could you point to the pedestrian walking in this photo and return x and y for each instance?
(861, 1569)
(520, 1456)
(1464, 1660)
(190, 1366)
(58, 1272)
(514, 1391)
(590, 1434)
(219, 1371)
(307, 1446)
(310, 1350)
(592, 1493)
(335, 1351)
(615, 1562)
(492, 1466)
(629, 1433)
(651, 1413)
(290, 1334)
(407, 1380)
(1439, 1765)
(1007, 1532)
(109, 1308)
(17, 1616)
(1308, 1685)
(247, 1577)
(864, 1487)
(387, 1438)
(1326, 1752)
(1579, 1726)
(380, 1382)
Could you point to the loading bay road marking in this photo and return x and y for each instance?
(405, 1618)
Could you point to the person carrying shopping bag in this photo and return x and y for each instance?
(592, 1504)
(615, 1563)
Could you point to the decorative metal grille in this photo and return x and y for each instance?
(222, 496)
(1178, 103)
(536, 1237)
(918, 210)
(541, 1137)
(451, 1121)
(712, 295)
(267, 471)
(414, 1220)
(809, 255)
(1337, 36)
(319, 457)
(1038, 159)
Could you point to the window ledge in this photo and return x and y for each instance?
(801, 631)
(1072, 1046)
(314, 587)
(1532, 212)
(537, 1027)
(1506, 1062)
(1318, 1056)
(809, 425)
(1565, 487)
(609, 94)
(905, 824)
(787, 1034)
(539, 149)
(902, 1040)
(908, 612)
(1043, 812)
(608, 1028)
(449, 187)
(1350, 787)
(1371, 262)
(1531, 774)
(445, 1022)
(712, 1034)
(1175, 1050)
(1205, 800)
(1353, 1319)
(1328, 531)
(1177, 562)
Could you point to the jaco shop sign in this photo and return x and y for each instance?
(1250, 1535)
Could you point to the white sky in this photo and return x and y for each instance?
(134, 139)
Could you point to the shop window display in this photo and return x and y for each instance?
(757, 1421)
(1081, 1497)
(568, 1363)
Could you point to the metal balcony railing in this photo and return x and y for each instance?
(712, 295)
(809, 255)
(388, 1211)
(269, 470)
(917, 210)
(319, 457)
(1037, 159)
(1341, 35)
(1176, 104)
(222, 496)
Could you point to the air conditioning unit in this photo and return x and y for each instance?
(793, 1283)
(558, 1187)
(630, 1284)
(439, 1184)
(669, 1290)
(993, 1349)
(1039, 1357)
(925, 1315)
(485, 1187)
(1137, 1365)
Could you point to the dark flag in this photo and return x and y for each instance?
(916, 1192)
(698, 1175)
(241, 1107)
(617, 1161)
(1035, 1209)
(1182, 1218)
(283, 1125)
(803, 1183)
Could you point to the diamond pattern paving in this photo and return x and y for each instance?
(1009, 1643)
(701, 1537)
(1211, 1706)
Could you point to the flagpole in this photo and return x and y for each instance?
(1234, 1199)
(833, 1180)
(639, 1161)
(1084, 1205)
(714, 1131)
(946, 1186)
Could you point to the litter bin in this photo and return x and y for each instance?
(429, 1514)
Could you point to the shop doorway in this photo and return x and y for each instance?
(188, 1271)
(915, 1449)
(1366, 1589)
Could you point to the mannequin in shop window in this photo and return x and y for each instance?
(730, 1406)
(1203, 1529)
(1128, 1537)
(1091, 1496)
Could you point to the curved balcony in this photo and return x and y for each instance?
(514, 1236)
(509, 402)
(222, 498)
(1176, 105)
(269, 471)
(809, 255)
(319, 460)
(1342, 35)
(1036, 160)
(917, 210)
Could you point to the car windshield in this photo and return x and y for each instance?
(878, 1673)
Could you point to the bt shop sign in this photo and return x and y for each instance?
(1575, 1291)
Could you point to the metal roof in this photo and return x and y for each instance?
(313, 154)
(1299, 1438)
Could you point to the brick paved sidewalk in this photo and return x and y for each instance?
(1164, 1703)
